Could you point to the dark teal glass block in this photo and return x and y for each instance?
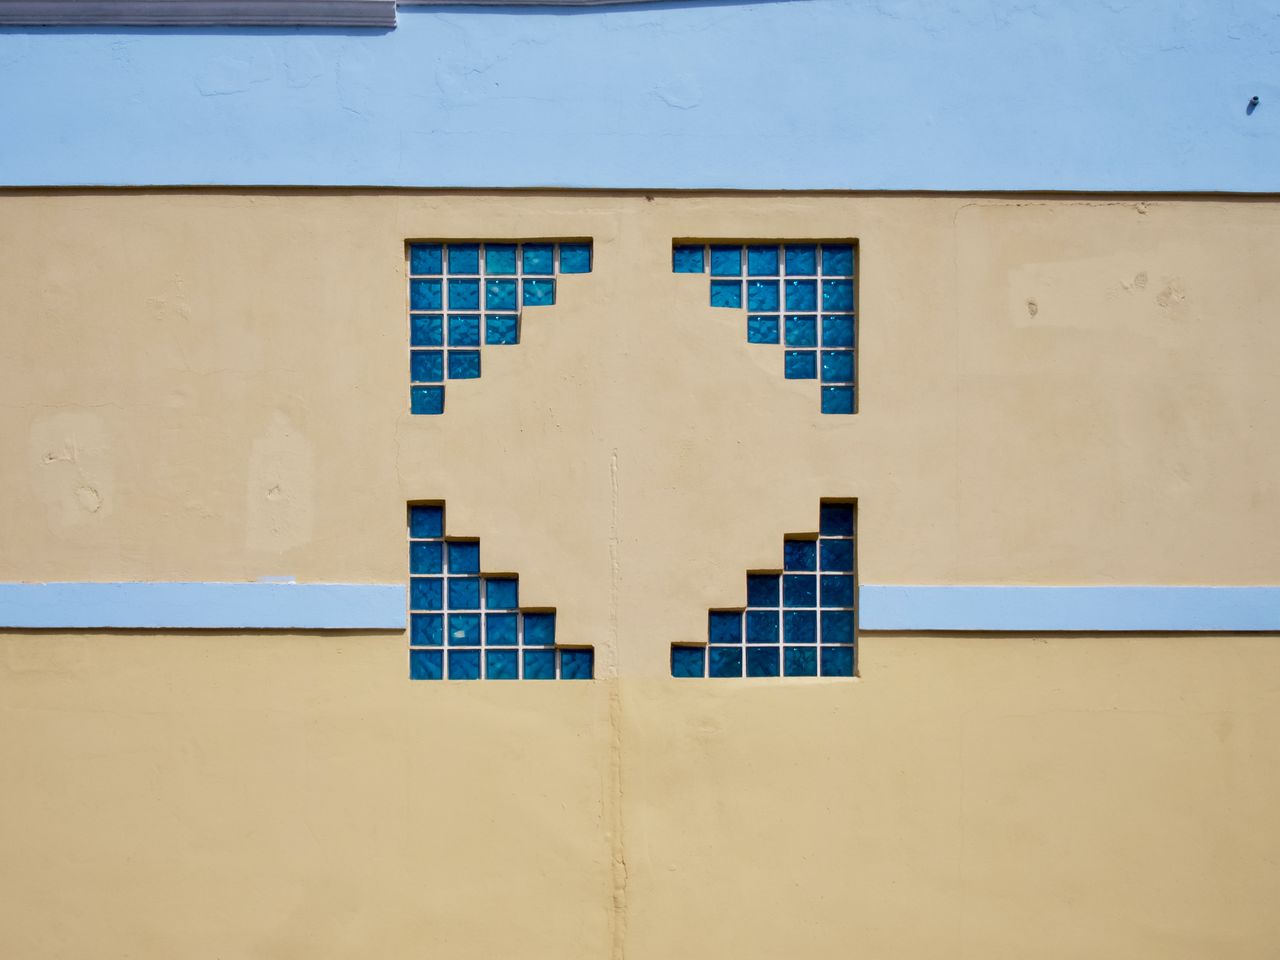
(799, 590)
(464, 258)
(539, 293)
(762, 261)
(426, 520)
(426, 557)
(801, 364)
(837, 331)
(837, 661)
(762, 661)
(837, 366)
(837, 400)
(539, 664)
(502, 664)
(464, 294)
(800, 661)
(575, 258)
(799, 555)
(687, 259)
(762, 589)
(837, 590)
(500, 295)
(577, 663)
(464, 364)
(837, 554)
(762, 626)
(802, 295)
(802, 332)
(762, 329)
(801, 259)
(425, 259)
(539, 259)
(426, 593)
(464, 556)
(426, 630)
(726, 293)
(426, 366)
(539, 629)
(836, 520)
(464, 593)
(464, 629)
(501, 593)
(464, 664)
(762, 295)
(424, 294)
(837, 296)
(837, 260)
(500, 259)
(726, 261)
(724, 626)
(426, 665)
(464, 330)
(500, 629)
(688, 661)
(837, 626)
(501, 328)
(725, 661)
(800, 626)
(426, 330)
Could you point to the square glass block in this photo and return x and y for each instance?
(762, 662)
(539, 664)
(464, 556)
(837, 661)
(502, 664)
(464, 364)
(725, 661)
(501, 328)
(800, 626)
(837, 366)
(464, 330)
(426, 556)
(500, 629)
(799, 555)
(688, 661)
(577, 663)
(464, 664)
(425, 294)
(802, 295)
(464, 629)
(426, 665)
(687, 259)
(762, 329)
(837, 590)
(539, 629)
(464, 258)
(539, 259)
(426, 520)
(799, 590)
(837, 400)
(726, 293)
(726, 261)
(501, 593)
(426, 630)
(426, 593)
(425, 259)
(500, 295)
(539, 293)
(500, 259)
(464, 593)
(426, 366)
(724, 626)
(837, 331)
(464, 294)
(800, 661)
(837, 554)
(426, 330)
(762, 626)
(801, 364)
(837, 296)
(762, 261)
(426, 400)
(575, 258)
(762, 295)
(762, 589)
(836, 520)
(801, 259)
(837, 260)
(802, 331)
(837, 626)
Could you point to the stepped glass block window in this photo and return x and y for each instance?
(465, 295)
(799, 621)
(468, 625)
(797, 295)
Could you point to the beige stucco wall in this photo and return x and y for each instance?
(213, 386)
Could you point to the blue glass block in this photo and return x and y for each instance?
(575, 258)
(539, 664)
(837, 590)
(500, 259)
(464, 629)
(464, 664)
(687, 259)
(802, 295)
(464, 364)
(837, 260)
(502, 664)
(724, 626)
(725, 661)
(501, 328)
(762, 295)
(799, 555)
(799, 590)
(500, 295)
(762, 661)
(464, 258)
(501, 593)
(426, 330)
(464, 330)
(464, 593)
(539, 629)
(424, 294)
(426, 520)
(426, 630)
(836, 520)
(800, 626)
(500, 629)
(425, 259)
(426, 557)
(426, 593)
(726, 293)
(762, 329)
(801, 364)
(425, 665)
(464, 294)
(539, 293)
(762, 626)
(426, 366)
(539, 259)
(688, 661)
(726, 261)
(800, 661)
(801, 259)
(837, 626)
(837, 554)
(577, 663)
(802, 332)
(837, 331)
(762, 261)
(762, 589)
(837, 400)
(837, 661)
(464, 556)
(837, 296)
(837, 365)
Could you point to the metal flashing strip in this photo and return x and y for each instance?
(197, 13)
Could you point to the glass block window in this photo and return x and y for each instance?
(468, 625)
(467, 295)
(799, 296)
(799, 621)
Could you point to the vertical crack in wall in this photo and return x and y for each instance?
(618, 855)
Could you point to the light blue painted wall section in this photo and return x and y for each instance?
(1094, 95)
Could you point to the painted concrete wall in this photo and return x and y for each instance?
(812, 94)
